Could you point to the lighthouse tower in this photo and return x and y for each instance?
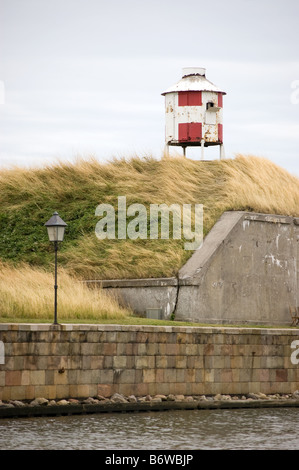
(194, 112)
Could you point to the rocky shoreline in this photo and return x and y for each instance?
(120, 403)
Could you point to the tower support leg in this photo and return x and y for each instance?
(222, 153)
(202, 145)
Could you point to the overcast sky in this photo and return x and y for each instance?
(85, 77)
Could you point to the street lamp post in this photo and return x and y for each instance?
(56, 227)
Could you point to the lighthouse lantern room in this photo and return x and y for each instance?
(194, 112)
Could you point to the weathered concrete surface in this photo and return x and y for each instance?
(143, 294)
(246, 271)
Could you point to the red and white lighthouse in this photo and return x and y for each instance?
(194, 112)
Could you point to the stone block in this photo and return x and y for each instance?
(108, 362)
(226, 350)
(192, 349)
(171, 349)
(126, 389)
(272, 362)
(141, 389)
(111, 337)
(226, 376)
(25, 377)
(170, 375)
(13, 378)
(208, 375)
(37, 377)
(245, 375)
(149, 375)
(142, 337)
(63, 390)
(2, 379)
(94, 349)
(161, 362)
(199, 376)
(47, 391)
(119, 362)
(180, 375)
(209, 362)
(281, 375)
(236, 362)
(159, 376)
(142, 362)
(93, 337)
(61, 377)
(109, 349)
(17, 393)
(189, 375)
(263, 375)
(128, 376)
(104, 376)
(181, 362)
(96, 362)
(162, 388)
(176, 388)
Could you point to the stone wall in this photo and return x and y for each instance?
(89, 360)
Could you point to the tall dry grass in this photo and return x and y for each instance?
(257, 184)
(27, 293)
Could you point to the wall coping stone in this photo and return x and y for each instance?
(148, 328)
(143, 282)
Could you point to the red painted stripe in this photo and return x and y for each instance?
(195, 131)
(220, 100)
(190, 132)
(183, 98)
(195, 98)
(190, 98)
(183, 132)
(220, 133)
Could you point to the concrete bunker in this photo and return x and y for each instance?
(244, 272)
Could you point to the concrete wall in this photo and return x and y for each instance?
(86, 360)
(245, 272)
(143, 294)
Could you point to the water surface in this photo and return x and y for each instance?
(239, 429)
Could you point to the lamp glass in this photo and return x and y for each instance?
(56, 233)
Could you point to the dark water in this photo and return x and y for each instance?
(263, 429)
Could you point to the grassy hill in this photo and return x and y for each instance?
(30, 196)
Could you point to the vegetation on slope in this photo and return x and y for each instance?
(27, 293)
(30, 196)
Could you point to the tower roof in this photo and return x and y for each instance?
(193, 79)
